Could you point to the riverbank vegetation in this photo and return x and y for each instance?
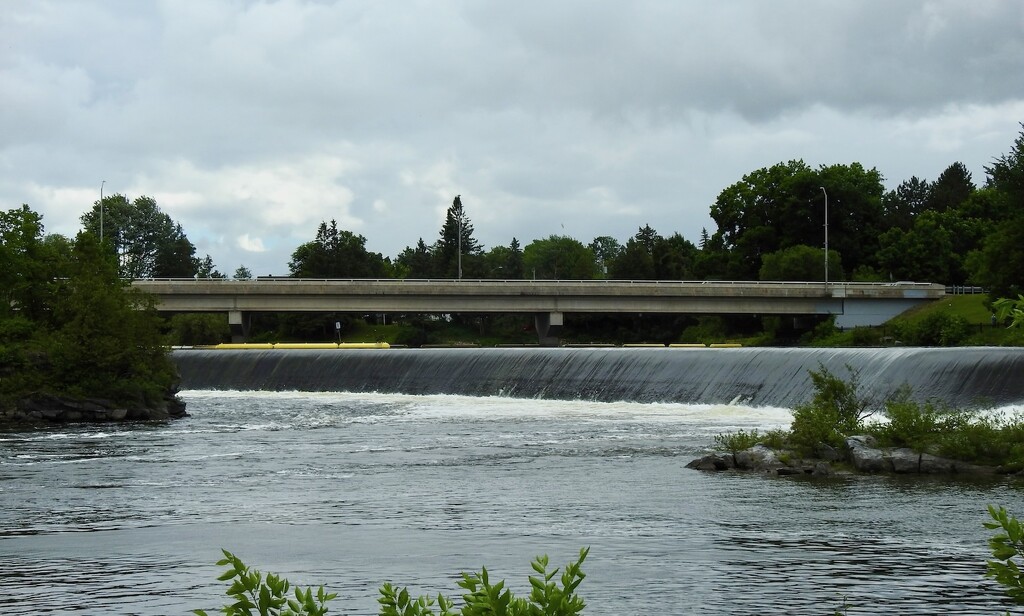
(838, 410)
(71, 328)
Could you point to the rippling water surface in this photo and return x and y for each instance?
(351, 490)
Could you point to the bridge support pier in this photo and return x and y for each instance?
(548, 326)
(238, 321)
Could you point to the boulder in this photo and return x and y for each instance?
(758, 458)
(713, 462)
(866, 459)
(905, 460)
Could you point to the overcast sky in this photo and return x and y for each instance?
(250, 122)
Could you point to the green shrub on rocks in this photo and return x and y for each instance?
(836, 410)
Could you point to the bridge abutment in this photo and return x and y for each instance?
(238, 321)
(549, 327)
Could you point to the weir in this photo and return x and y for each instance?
(960, 377)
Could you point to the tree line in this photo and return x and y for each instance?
(769, 226)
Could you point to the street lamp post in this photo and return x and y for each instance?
(101, 210)
(458, 212)
(826, 234)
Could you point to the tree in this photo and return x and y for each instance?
(606, 249)
(514, 267)
(1006, 173)
(504, 262)
(69, 324)
(26, 268)
(242, 273)
(336, 253)
(634, 262)
(999, 264)
(900, 206)
(674, 258)
(922, 253)
(456, 244)
(784, 205)
(951, 189)
(801, 263)
(415, 262)
(148, 244)
(559, 258)
(107, 340)
(205, 268)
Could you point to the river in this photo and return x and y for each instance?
(350, 490)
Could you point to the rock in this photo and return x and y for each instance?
(829, 453)
(59, 409)
(862, 440)
(790, 470)
(759, 458)
(932, 465)
(866, 459)
(822, 469)
(713, 462)
(905, 460)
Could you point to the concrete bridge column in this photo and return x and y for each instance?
(549, 326)
(239, 323)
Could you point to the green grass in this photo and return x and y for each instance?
(971, 308)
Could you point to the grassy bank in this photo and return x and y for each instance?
(955, 320)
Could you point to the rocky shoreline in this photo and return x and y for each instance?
(859, 454)
(48, 408)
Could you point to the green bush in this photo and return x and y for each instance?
(936, 329)
(836, 410)
(734, 442)
(268, 596)
(910, 424)
(1005, 546)
(250, 591)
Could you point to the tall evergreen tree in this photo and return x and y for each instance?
(952, 188)
(514, 268)
(457, 244)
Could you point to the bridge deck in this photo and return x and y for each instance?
(274, 294)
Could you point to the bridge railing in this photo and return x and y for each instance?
(767, 283)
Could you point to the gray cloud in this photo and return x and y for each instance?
(250, 122)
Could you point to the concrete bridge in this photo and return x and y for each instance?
(853, 303)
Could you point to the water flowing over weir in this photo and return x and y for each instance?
(962, 377)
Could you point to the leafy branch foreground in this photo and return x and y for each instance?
(254, 594)
(251, 594)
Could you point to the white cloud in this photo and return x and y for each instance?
(250, 244)
(251, 122)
